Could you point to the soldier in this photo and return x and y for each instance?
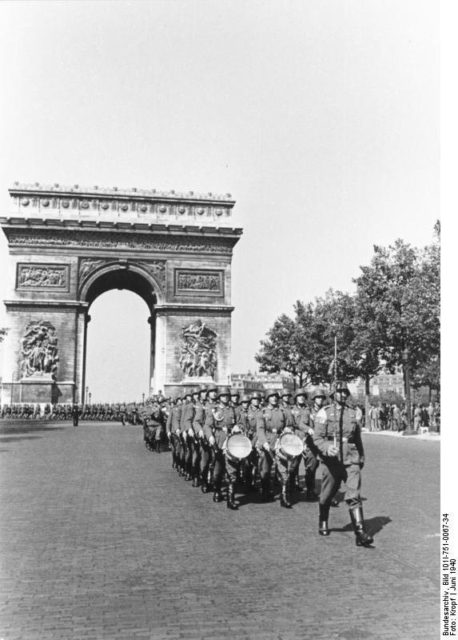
(311, 453)
(270, 423)
(246, 420)
(173, 432)
(285, 404)
(198, 429)
(300, 414)
(207, 452)
(235, 402)
(75, 414)
(187, 434)
(219, 421)
(338, 439)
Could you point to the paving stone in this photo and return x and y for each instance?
(101, 539)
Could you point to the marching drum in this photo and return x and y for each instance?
(290, 445)
(238, 446)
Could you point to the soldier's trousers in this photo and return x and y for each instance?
(232, 468)
(219, 467)
(196, 453)
(265, 463)
(205, 458)
(286, 467)
(333, 474)
(311, 464)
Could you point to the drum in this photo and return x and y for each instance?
(238, 446)
(290, 445)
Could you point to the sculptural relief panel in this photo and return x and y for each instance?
(198, 357)
(199, 282)
(39, 350)
(50, 277)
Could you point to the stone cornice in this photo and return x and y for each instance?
(184, 308)
(62, 304)
(114, 226)
(119, 205)
(37, 189)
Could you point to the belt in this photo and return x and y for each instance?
(332, 438)
(271, 430)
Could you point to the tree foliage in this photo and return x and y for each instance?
(392, 321)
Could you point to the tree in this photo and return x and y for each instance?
(399, 292)
(280, 351)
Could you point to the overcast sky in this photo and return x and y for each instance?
(320, 117)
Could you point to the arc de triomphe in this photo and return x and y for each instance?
(67, 246)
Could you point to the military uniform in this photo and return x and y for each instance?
(198, 429)
(270, 423)
(336, 427)
(219, 421)
(187, 435)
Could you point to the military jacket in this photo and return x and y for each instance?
(199, 417)
(336, 422)
(243, 421)
(301, 420)
(288, 411)
(175, 415)
(219, 420)
(270, 423)
(187, 416)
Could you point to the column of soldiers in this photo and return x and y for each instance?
(199, 426)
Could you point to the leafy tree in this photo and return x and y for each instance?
(399, 292)
(280, 350)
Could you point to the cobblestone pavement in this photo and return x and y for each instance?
(100, 539)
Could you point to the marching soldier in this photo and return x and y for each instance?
(187, 433)
(173, 432)
(338, 438)
(270, 423)
(304, 424)
(198, 429)
(301, 421)
(207, 452)
(235, 402)
(247, 422)
(219, 421)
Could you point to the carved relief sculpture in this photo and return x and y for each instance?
(210, 282)
(42, 276)
(39, 350)
(198, 350)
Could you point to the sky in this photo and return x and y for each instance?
(320, 117)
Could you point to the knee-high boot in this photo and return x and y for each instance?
(363, 539)
(231, 504)
(323, 520)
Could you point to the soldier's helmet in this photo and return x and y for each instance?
(224, 391)
(195, 391)
(340, 385)
(256, 395)
(212, 387)
(286, 393)
(245, 398)
(203, 388)
(271, 393)
(318, 392)
(300, 392)
(235, 393)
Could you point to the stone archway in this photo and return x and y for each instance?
(69, 245)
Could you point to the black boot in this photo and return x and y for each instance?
(363, 539)
(217, 495)
(266, 491)
(284, 499)
(231, 504)
(195, 480)
(323, 521)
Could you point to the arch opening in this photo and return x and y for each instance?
(119, 346)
